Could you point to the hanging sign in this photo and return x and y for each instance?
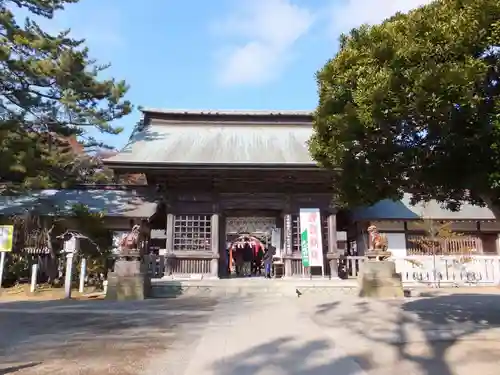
(288, 231)
(311, 244)
(6, 238)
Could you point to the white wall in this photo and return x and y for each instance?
(397, 244)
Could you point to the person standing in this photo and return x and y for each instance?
(268, 261)
(247, 259)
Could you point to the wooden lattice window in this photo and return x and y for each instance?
(424, 245)
(296, 233)
(192, 232)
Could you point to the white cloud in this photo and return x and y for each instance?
(348, 14)
(266, 31)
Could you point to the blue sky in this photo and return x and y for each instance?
(218, 54)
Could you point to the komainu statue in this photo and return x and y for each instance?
(378, 277)
(130, 278)
(378, 244)
(129, 244)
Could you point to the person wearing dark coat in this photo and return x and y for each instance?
(268, 260)
(247, 259)
(257, 260)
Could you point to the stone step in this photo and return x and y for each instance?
(251, 287)
(258, 287)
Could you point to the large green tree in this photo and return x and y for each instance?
(51, 92)
(412, 105)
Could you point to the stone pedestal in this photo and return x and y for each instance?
(129, 281)
(377, 255)
(379, 279)
(333, 263)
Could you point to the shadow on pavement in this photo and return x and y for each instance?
(198, 303)
(286, 355)
(95, 337)
(15, 369)
(424, 332)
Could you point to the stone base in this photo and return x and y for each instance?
(259, 287)
(379, 279)
(377, 255)
(128, 281)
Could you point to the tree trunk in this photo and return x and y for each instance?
(490, 203)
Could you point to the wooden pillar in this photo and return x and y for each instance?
(333, 255)
(169, 245)
(170, 233)
(214, 263)
(223, 259)
(332, 233)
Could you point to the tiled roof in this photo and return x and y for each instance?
(217, 138)
(129, 203)
(403, 210)
(118, 203)
(265, 112)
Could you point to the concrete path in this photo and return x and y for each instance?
(312, 335)
(268, 338)
(445, 335)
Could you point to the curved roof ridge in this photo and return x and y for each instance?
(208, 112)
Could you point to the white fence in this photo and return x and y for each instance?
(452, 270)
(449, 270)
(446, 270)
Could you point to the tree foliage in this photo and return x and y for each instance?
(50, 93)
(411, 105)
(97, 240)
(91, 225)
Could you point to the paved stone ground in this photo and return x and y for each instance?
(96, 337)
(312, 335)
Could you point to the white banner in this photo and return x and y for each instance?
(311, 244)
(276, 241)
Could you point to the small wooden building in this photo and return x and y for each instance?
(475, 228)
(123, 206)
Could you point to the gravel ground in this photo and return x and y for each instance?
(94, 337)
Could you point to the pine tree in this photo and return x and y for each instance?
(51, 93)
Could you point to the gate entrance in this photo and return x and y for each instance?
(247, 236)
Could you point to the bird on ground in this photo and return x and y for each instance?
(298, 293)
